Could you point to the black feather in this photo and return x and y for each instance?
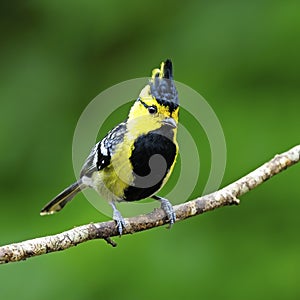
(144, 148)
(163, 89)
(109, 143)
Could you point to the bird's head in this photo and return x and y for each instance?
(157, 104)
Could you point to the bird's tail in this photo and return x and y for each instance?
(62, 199)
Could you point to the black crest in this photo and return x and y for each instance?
(163, 87)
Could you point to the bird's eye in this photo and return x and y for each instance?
(152, 109)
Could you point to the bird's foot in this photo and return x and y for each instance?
(120, 222)
(167, 207)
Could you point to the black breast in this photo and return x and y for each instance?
(148, 180)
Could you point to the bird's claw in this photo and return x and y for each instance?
(120, 222)
(168, 209)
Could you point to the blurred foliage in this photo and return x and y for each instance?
(242, 56)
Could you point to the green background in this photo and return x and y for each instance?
(242, 56)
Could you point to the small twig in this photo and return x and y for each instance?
(226, 196)
(110, 241)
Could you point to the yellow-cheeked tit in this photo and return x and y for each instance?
(136, 158)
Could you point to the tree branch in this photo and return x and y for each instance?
(225, 196)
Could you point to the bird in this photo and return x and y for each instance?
(136, 158)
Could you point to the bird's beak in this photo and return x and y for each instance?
(170, 122)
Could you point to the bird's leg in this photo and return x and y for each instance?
(118, 218)
(167, 208)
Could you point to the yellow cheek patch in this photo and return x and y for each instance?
(138, 110)
(140, 121)
(164, 110)
(175, 114)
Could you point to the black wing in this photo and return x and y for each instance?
(100, 155)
